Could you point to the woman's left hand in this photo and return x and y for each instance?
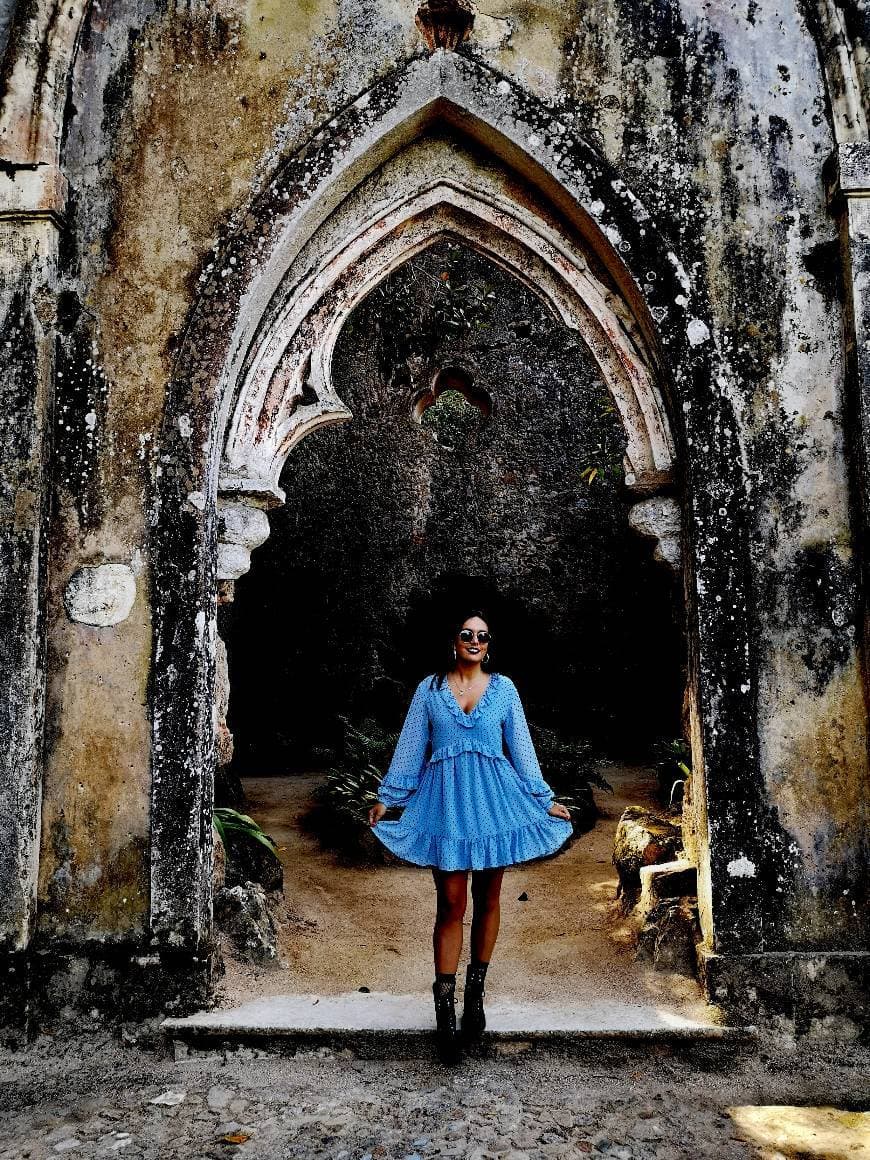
(559, 811)
(376, 813)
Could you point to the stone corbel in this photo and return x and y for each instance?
(658, 518)
(242, 527)
(847, 173)
(33, 192)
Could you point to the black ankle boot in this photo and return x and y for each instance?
(473, 1014)
(446, 1039)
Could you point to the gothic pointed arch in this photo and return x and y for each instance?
(235, 328)
(505, 122)
(270, 411)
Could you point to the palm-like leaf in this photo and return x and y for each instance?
(228, 821)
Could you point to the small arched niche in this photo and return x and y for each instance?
(457, 381)
(452, 408)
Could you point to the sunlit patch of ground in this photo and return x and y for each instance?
(794, 1133)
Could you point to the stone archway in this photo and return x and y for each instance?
(395, 504)
(286, 390)
(652, 313)
(744, 833)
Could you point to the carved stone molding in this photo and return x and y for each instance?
(270, 412)
(658, 518)
(241, 529)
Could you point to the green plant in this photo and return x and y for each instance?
(351, 785)
(339, 816)
(606, 458)
(352, 790)
(449, 418)
(673, 765)
(230, 822)
(567, 765)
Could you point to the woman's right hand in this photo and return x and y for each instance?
(376, 813)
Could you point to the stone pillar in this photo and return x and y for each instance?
(32, 198)
(818, 983)
(847, 175)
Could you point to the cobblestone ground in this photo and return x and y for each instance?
(95, 1098)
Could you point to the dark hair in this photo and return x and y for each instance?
(445, 665)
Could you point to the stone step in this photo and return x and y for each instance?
(372, 1023)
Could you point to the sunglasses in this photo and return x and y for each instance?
(467, 635)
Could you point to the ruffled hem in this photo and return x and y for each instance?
(467, 719)
(470, 745)
(399, 789)
(405, 780)
(535, 840)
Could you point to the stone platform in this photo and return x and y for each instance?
(365, 1020)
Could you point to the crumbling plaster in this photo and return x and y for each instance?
(720, 119)
(27, 255)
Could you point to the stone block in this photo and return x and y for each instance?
(642, 839)
(242, 912)
(823, 994)
(33, 191)
(666, 880)
(101, 595)
(832, 994)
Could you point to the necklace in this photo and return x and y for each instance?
(463, 688)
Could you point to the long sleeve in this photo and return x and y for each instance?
(409, 758)
(521, 751)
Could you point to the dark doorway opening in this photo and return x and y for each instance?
(392, 523)
(482, 467)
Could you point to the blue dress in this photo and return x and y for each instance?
(471, 785)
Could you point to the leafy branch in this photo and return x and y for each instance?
(228, 822)
(606, 457)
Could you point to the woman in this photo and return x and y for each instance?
(466, 772)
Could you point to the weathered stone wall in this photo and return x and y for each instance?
(27, 273)
(179, 115)
(7, 11)
(385, 516)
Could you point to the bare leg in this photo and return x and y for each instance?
(452, 893)
(486, 893)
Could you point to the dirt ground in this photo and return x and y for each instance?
(350, 927)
